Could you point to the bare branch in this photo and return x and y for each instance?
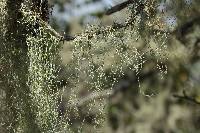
(118, 7)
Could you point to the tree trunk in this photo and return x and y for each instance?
(28, 68)
(20, 115)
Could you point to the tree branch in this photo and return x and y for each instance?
(119, 7)
(55, 33)
(186, 97)
(90, 97)
(108, 12)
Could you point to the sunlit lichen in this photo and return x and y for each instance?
(101, 57)
(104, 55)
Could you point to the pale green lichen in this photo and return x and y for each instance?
(34, 81)
(101, 56)
(42, 72)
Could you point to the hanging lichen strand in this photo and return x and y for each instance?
(118, 48)
(101, 56)
(104, 55)
(43, 54)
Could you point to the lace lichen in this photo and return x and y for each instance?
(101, 56)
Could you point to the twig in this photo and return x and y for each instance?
(62, 37)
(186, 97)
(118, 7)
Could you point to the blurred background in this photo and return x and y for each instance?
(131, 80)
